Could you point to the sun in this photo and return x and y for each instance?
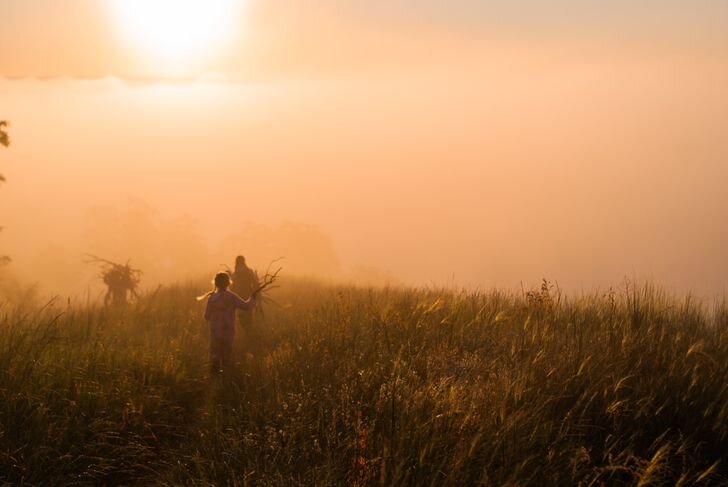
(177, 34)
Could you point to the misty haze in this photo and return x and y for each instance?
(584, 174)
(363, 243)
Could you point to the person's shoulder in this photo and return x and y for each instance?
(232, 294)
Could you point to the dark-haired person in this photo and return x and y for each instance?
(220, 312)
(245, 282)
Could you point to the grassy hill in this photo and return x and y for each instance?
(341, 385)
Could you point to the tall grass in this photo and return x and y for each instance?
(340, 385)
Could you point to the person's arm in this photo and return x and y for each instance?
(241, 303)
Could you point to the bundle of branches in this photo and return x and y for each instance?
(117, 276)
(267, 284)
(268, 279)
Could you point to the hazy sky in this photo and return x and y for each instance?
(480, 142)
(81, 37)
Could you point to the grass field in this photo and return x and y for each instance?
(342, 385)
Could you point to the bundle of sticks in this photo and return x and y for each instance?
(114, 274)
(268, 280)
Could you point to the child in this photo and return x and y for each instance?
(220, 312)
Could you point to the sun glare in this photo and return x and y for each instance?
(177, 34)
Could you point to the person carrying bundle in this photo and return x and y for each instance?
(122, 281)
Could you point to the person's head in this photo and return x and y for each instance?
(239, 262)
(222, 281)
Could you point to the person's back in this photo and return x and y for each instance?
(245, 282)
(221, 306)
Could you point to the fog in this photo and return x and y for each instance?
(479, 174)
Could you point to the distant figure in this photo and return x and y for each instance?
(245, 282)
(117, 292)
(220, 312)
(121, 280)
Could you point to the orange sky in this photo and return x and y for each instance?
(325, 37)
(429, 149)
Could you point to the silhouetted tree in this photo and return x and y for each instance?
(4, 141)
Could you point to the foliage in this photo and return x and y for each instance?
(5, 142)
(4, 138)
(355, 386)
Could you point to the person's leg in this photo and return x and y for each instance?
(226, 348)
(226, 353)
(215, 352)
